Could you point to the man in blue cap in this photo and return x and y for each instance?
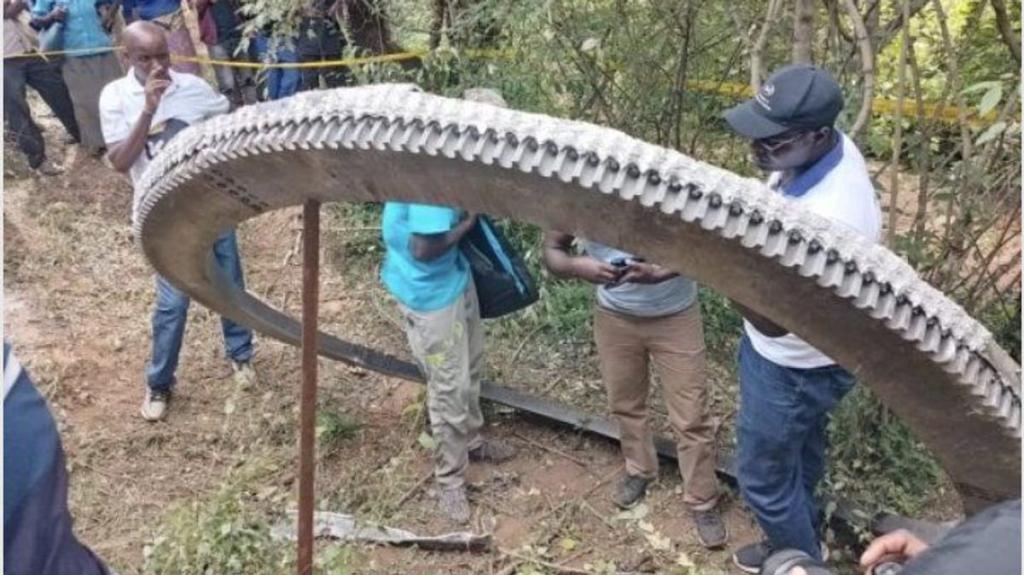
(787, 387)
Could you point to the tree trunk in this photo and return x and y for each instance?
(1010, 38)
(370, 27)
(803, 32)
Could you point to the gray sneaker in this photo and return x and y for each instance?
(453, 503)
(154, 407)
(711, 529)
(630, 491)
(493, 451)
(244, 374)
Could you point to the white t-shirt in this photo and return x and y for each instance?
(188, 100)
(839, 188)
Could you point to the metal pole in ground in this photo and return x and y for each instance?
(307, 413)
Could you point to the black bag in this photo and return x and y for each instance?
(503, 284)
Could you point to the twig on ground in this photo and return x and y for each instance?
(519, 348)
(552, 450)
(554, 567)
(414, 489)
(590, 508)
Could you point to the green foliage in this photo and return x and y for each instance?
(333, 428)
(223, 534)
(875, 460)
(722, 326)
(228, 533)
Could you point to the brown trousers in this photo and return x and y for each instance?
(675, 345)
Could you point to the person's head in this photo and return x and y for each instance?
(146, 48)
(790, 120)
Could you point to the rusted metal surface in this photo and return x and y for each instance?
(933, 365)
(307, 413)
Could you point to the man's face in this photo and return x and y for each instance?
(787, 151)
(150, 56)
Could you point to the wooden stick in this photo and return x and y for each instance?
(552, 450)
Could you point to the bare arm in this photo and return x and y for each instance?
(123, 154)
(428, 247)
(12, 8)
(562, 263)
(763, 324)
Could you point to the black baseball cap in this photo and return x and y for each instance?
(797, 97)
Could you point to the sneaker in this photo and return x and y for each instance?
(630, 491)
(493, 451)
(154, 407)
(47, 168)
(453, 503)
(711, 529)
(750, 558)
(245, 374)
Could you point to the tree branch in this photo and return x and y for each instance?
(803, 32)
(756, 66)
(867, 59)
(1011, 39)
(897, 139)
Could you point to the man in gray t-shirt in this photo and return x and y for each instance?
(647, 314)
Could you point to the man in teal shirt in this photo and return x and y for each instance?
(91, 63)
(430, 278)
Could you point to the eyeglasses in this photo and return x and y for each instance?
(776, 143)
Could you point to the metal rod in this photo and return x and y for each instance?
(307, 413)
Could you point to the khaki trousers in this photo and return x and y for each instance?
(448, 344)
(675, 345)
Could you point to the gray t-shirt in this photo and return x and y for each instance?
(641, 300)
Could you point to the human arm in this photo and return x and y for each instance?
(644, 273)
(123, 153)
(46, 12)
(560, 261)
(426, 247)
(107, 10)
(12, 8)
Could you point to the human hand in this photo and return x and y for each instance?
(58, 14)
(900, 543)
(595, 271)
(644, 273)
(156, 84)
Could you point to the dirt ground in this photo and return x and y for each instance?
(77, 297)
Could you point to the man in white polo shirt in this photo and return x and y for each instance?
(140, 113)
(787, 387)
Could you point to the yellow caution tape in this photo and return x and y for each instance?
(880, 106)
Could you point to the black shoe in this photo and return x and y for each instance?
(711, 529)
(630, 491)
(750, 558)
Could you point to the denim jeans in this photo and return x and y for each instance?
(280, 82)
(781, 435)
(171, 313)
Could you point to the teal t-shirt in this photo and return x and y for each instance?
(421, 286)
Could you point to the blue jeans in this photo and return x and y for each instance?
(281, 82)
(171, 313)
(781, 435)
